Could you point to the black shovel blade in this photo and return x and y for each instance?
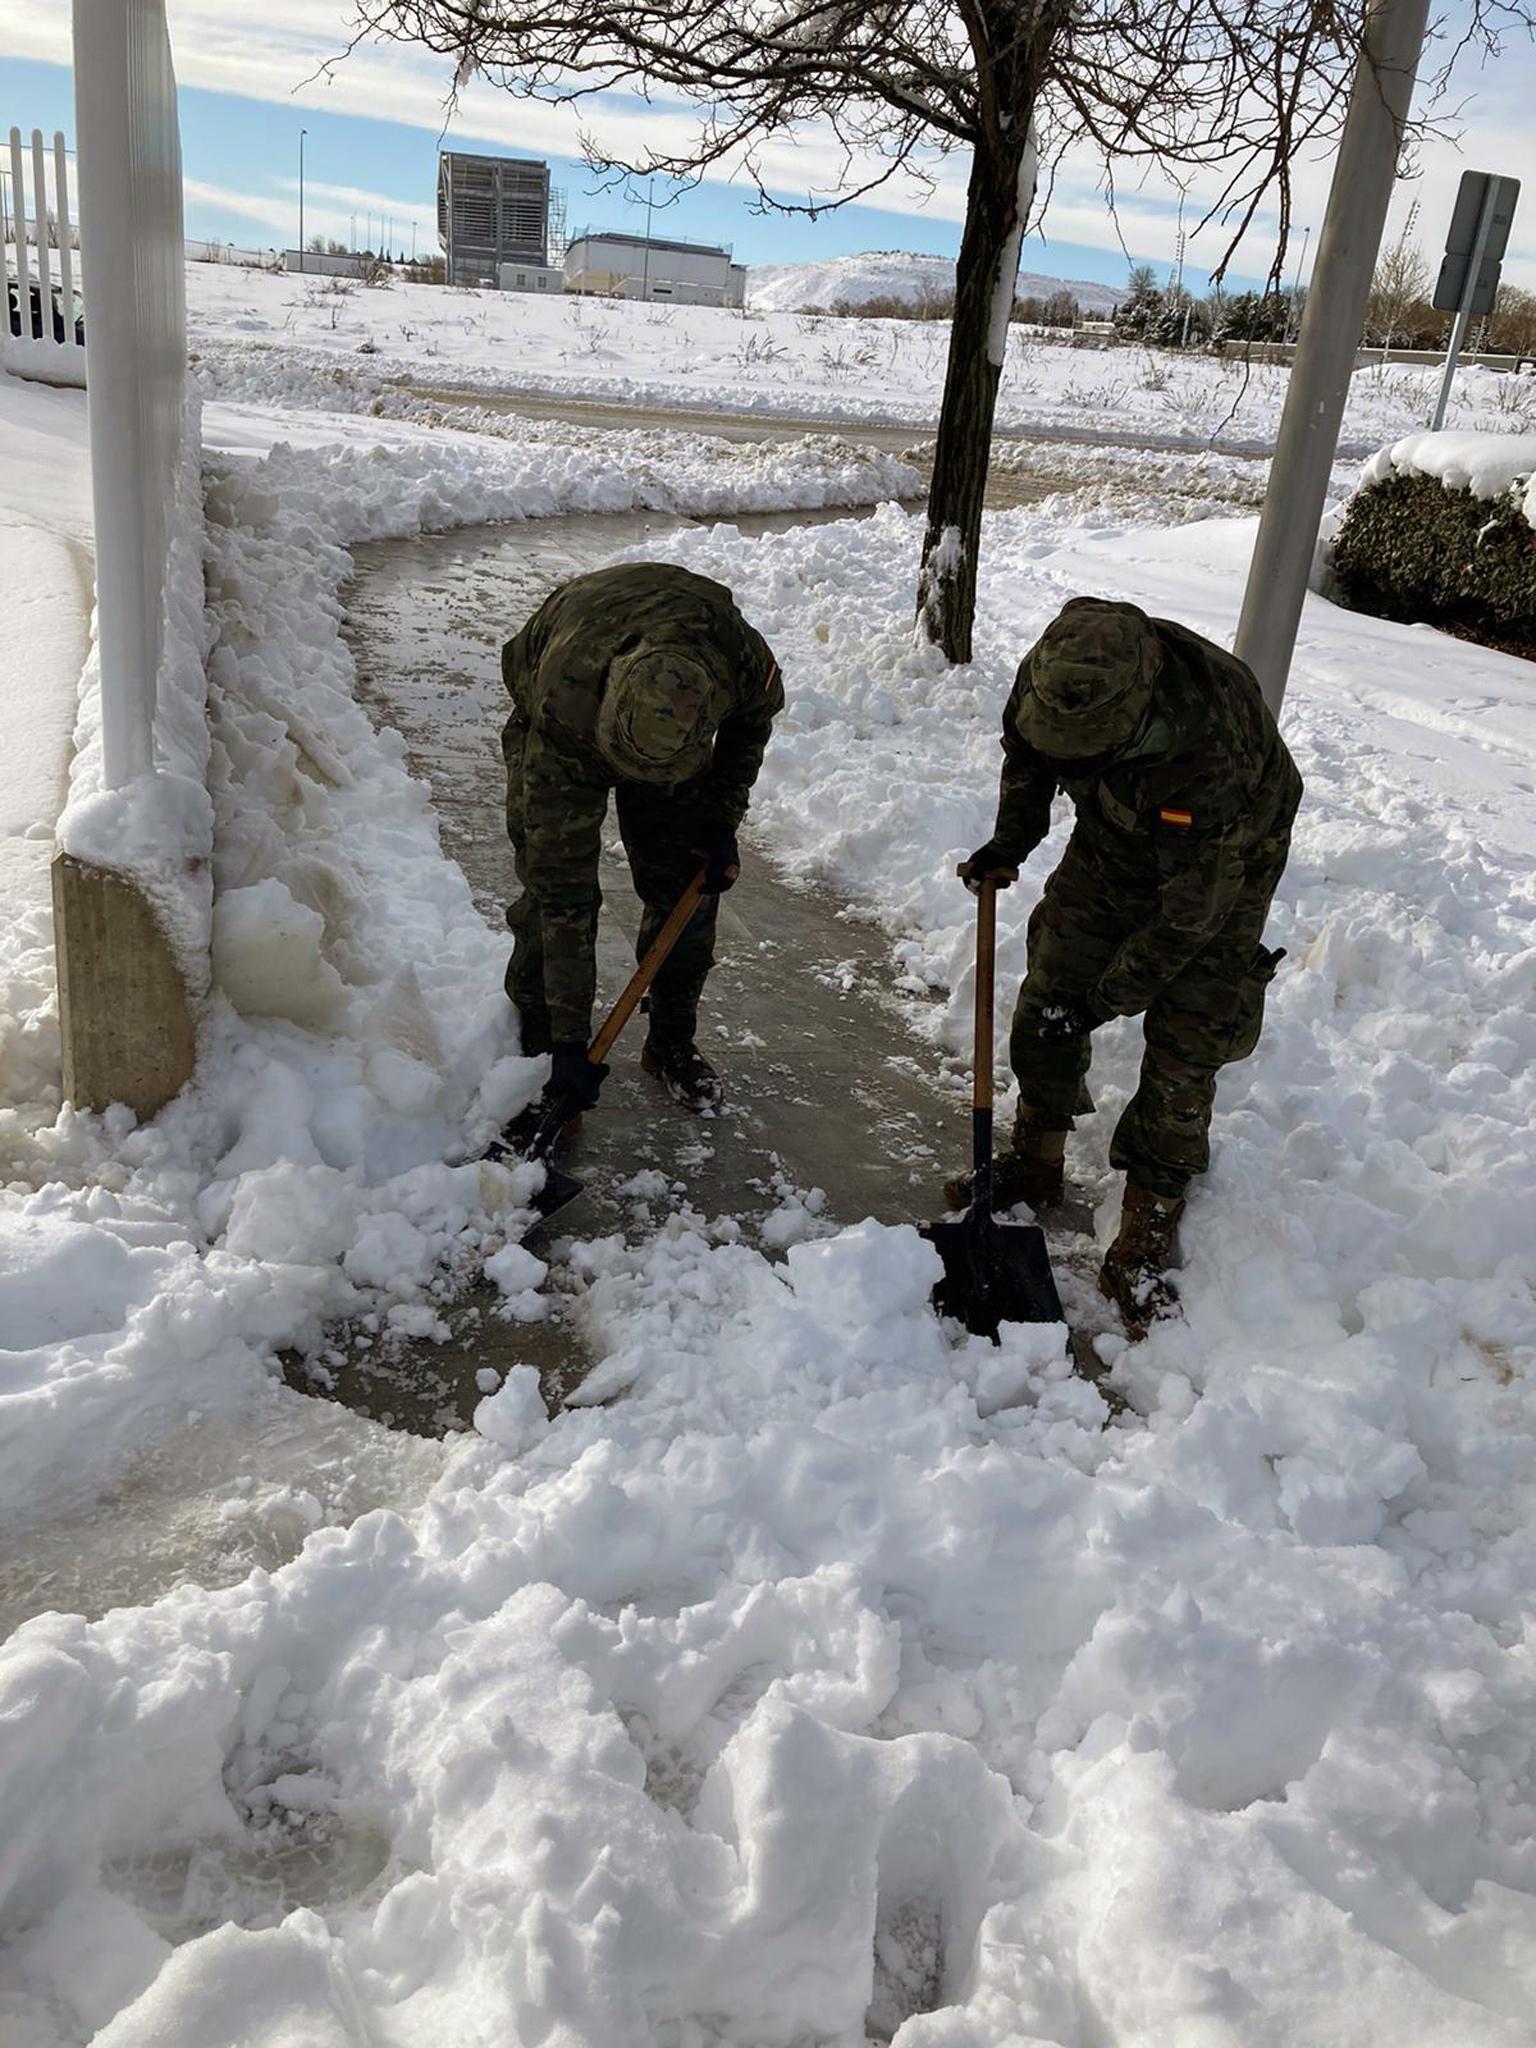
(993, 1273)
(558, 1192)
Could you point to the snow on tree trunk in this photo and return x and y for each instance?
(986, 274)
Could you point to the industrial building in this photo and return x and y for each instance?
(493, 221)
(645, 267)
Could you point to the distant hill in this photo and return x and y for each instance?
(894, 273)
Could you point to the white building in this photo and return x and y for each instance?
(646, 267)
(530, 277)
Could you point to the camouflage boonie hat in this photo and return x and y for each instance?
(1090, 678)
(659, 714)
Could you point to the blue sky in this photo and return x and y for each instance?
(249, 83)
(242, 154)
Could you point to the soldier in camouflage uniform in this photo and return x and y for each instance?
(647, 681)
(1184, 793)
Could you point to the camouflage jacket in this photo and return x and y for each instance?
(557, 780)
(1204, 790)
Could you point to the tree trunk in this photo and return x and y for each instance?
(989, 248)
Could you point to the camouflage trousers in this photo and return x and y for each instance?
(1208, 1015)
(659, 836)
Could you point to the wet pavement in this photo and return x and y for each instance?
(837, 1108)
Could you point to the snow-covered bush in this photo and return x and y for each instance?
(1443, 530)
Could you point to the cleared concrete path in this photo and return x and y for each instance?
(834, 1098)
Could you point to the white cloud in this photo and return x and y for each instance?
(277, 57)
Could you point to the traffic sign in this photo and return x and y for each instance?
(1469, 273)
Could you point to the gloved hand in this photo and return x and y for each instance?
(992, 861)
(574, 1079)
(1072, 1017)
(722, 861)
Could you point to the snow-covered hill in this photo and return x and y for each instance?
(893, 273)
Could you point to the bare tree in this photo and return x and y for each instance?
(1512, 326)
(1400, 285)
(1237, 87)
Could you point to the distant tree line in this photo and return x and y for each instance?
(1060, 309)
(1398, 313)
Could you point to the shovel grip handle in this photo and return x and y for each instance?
(986, 992)
(634, 989)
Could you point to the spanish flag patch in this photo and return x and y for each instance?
(1182, 819)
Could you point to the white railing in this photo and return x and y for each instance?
(40, 337)
(136, 348)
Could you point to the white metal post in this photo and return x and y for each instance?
(135, 348)
(1330, 335)
(19, 220)
(40, 215)
(1463, 318)
(66, 255)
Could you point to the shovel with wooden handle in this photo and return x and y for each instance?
(993, 1272)
(532, 1134)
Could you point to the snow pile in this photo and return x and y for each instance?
(397, 472)
(356, 1039)
(1488, 465)
(822, 1677)
(896, 274)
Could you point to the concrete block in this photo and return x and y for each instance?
(124, 1015)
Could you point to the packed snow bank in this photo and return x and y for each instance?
(823, 1676)
(1487, 465)
(443, 466)
(46, 573)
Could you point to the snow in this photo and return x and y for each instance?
(1005, 289)
(253, 325)
(46, 572)
(1487, 465)
(895, 274)
(818, 1673)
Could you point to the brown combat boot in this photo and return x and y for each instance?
(688, 1077)
(1134, 1275)
(1033, 1171)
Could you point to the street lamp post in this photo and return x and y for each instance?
(302, 133)
(1301, 264)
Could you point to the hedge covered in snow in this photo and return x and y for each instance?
(1443, 530)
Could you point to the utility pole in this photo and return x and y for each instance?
(1330, 334)
(303, 264)
(645, 287)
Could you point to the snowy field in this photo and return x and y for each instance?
(252, 324)
(818, 1678)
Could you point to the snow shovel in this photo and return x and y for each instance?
(993, 1272)
(532, 1133)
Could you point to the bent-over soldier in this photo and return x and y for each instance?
(1184, 794)
(645, 680)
